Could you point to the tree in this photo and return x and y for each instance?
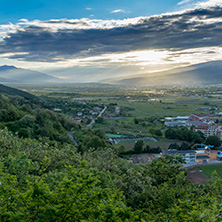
(94, 142)
(170, 134)
(147, 148)
(155, 150)
(173, 146)
(121, 149)
(152, 131)
(213, 140)
(158, 132)
(184, 146)
(113, 130)
(100, 120)
(138, 147)
(136, 121)
(100, 133)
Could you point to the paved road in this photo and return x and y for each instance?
(94, 120)
(101, 113)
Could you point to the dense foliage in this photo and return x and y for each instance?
(184, 134)
(44, 177)
(42, 182)
(30, 120)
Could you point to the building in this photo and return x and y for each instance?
(202, 155)
(117, 109)
(205, 155)
(78, 120)
(178, 121)
(143, 158)
(175, 123)
(209, 130)
(219, 155)
(57, 110)
(188, 155)
(196, 117)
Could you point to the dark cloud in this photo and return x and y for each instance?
(175, 32)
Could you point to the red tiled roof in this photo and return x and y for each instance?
(202, 126)
(199, 115)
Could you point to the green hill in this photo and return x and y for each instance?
(17, 92)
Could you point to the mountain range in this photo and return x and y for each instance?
(201, 74)
(12, 74)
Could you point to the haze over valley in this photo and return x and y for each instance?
(117, 44)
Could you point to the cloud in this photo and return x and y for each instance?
(89, 9)
(118, 10)
(209, 3)
(62, 40)
(184, 2)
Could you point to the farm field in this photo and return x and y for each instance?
(208, 170)
(129, 143)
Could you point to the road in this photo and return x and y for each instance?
(101, 113)
(94, 120)
(72, 138)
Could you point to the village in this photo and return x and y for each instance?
(206, 123)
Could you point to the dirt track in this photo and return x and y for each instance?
(196, 176)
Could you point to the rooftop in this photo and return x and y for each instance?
(202, 157)
(173, 152)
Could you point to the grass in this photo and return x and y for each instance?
(129, 143)
(115, 135)
(208, 170)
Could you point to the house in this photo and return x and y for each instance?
(188, 155)
(77, 119)
(117, 109)
(107, 115)
(57, 110)
(97, 109)
(143, 158)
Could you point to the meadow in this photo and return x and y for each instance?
(208, 170)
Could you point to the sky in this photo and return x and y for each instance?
(87, 40)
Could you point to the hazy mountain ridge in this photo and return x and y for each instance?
(17, 75)
(201, 74)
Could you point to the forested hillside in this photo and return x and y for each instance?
(13, 91)
(39, 182)
(27, 116)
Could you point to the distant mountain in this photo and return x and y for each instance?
(17, 75)
(17, 92)
(201, 74)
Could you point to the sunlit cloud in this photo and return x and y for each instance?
(152, 43)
